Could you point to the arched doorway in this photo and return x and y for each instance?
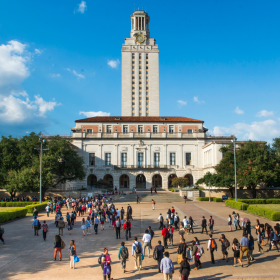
(109, 178)
(140, 181)
(91, 180)
(157, 181)
(170, 178)
(190, 177)
(124, 181)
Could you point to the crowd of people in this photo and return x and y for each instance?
(97, 211)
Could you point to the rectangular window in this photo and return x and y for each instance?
(140, 67)
(107, 158)
(188, 158)
(92, 159)
(109, 129)
(189, 131)
(140, 159)
(140, 128)
(155, 127)
(89, 130)
(156, 159)
(125, 129)
(172, 158)
(171, 129)
(124, 159)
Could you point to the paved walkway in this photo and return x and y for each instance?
(26, 256)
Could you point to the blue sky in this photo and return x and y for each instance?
(219, 62)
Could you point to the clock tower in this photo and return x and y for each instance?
(140, 70)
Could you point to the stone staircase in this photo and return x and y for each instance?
(162, 196)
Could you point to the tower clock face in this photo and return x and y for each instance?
(140, 38)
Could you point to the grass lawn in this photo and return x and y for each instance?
(275, 207)
(6, 208)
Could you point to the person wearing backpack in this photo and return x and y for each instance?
(151, 232)
(137, 252)
(273, 239)
(211, 224)
(158, 254)
(225, 244)
(35, 225)
(236, 251)
(212, 245)
(160, 218)
(1, 235)
(73, 253)
(123, 256)
(196, 253)
(45, 230)
(57, 247)
(118, 228)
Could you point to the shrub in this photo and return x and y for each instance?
(217, 199)
(264, 212)
(39, 207)
(236, 204)
(205, 198)
(3, 204)
(20, 204)
(260, 201)
(171, 189)
(12, 214)
(273, 201)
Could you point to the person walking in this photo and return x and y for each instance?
(186, 224)
(273, 239)
(48, 210)
(196, 253)
(102, 221)
(153, 203)
(96, 223)
(191, 222)
(238, 220)
(229, 222)
(236, 251)
(83, 226)
(137, 199)
(182, 231)
(176, 221)
(123, 256)
(1, 235)
(185, 198)
(244, 247)
(185, 269)
(151, 232)
(88, 225)
(225, 244)
(73, 253)
(166, 267)
(204, 225)
(106, 261)
(212, 246)
(45, 230)
(251, 246)
(35, 225)
(69, 226)
(159, 249)
(118, 228)
(164, 234)
(137, 252)
(170, 235)
(57, 247)
(182, 251)
(259, 239)
(127, 227)
(211, 225)
(147, 242)
(60, 225)
(160, 218)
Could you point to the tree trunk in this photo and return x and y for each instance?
(13, 194)
(231, 191)
(254, 192)
(209, 194)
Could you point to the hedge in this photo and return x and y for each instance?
(264, 212)
(206, 198)
(17, 203)
(236, 204)
(12, 214)
(217, 199)
(260, 201)
(39, 207)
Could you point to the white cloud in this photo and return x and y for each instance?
(55, 75)
(81, 7)
(265, 130)
(13, 60)
(195, 99)
(93, 114)
(264, 113)
(113, 63)
(75, 73)
(238, 111)
(182, 103)
(37, 51)
(44, 106)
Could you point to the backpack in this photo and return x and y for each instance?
(118, 223)
(99, 259)
(39, 225)
(102, 219)
(2, 230)
(200, 251)
(171, 221)
(138, 248)
(124, 253)
(151, 233)
(213, 244)
(72, 251)
(155, 254)
(62, 244)
(227, 243)
(45, 228)
(161, 219)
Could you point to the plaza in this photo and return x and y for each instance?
(25, 256)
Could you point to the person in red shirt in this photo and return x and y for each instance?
(164, 233)
(173, 210)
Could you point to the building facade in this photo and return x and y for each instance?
(140, 70)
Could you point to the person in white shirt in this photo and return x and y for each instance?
(119, 213)
(147, 242)
(186, 223)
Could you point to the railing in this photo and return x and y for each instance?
(141, 167)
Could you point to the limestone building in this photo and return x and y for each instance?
(140, 148)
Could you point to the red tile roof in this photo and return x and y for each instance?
(139, 119)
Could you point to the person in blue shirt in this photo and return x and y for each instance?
(273, 240)
(123, 256)
(96, 222)
(166, 266)
(35, 225)
(244, 247)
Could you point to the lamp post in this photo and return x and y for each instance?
(234, 149)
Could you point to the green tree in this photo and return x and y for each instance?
(179, 182)
(209, 179)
